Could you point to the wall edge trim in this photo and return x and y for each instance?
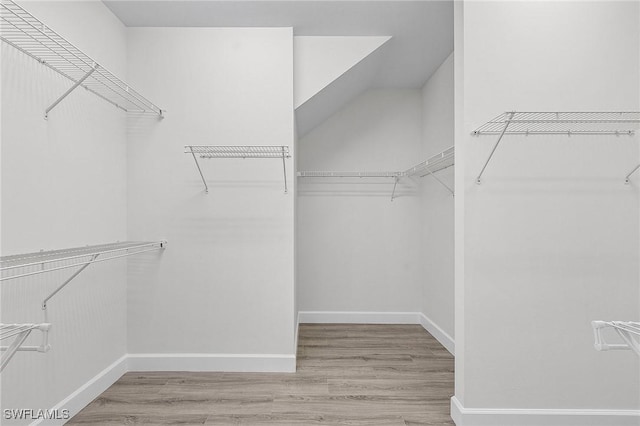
(441, 336)
(463, 416)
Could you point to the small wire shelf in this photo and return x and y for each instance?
(238, 151)
(31, 36)
(325, 174)
(628, 331)
(559, 123)
(19, 333)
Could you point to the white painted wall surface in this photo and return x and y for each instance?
(226, 286)
(63, 185)
(357, 250)
(551, 235)
(438, 203)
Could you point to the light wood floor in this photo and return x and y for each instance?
(386, 375)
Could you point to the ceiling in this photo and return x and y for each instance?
(422, 31)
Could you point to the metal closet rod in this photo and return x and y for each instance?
(31, 36)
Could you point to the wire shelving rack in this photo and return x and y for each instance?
(238, 151)
(28, 264)
(31, 36)
(433, 164)
(559, 123)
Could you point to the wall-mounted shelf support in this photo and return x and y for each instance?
(627, 330)
(71, 89)
(236, 151)
(20, 332)
(626, 179)
(507, 121)
(558, 123)
(32, 37)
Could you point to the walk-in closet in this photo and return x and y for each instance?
(312, 212)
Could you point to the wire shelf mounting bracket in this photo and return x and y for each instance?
(238, 151)
(626, 179)
(558, 123)
(19, 333)
(628, 331)
(25, 32)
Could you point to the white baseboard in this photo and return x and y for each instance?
(541, 417)
(440, 335)
(263, 363)
(86, 393)
(347, 317)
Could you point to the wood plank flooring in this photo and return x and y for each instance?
(348, 374)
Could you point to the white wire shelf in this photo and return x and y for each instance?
(440, 161)
(559, 123)
(565, 123)
(433, 164)
(23, 265)
(19, 333)
(628, 331)
(325, 174)
(238, 151)
(31, 36)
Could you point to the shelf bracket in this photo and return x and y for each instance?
(504, 129)
(206, 188)
(626, 179)
(61, 286)
(71, 89)
(284, 168)
(395, 184)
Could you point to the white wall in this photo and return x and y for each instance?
(551, 235)
(357, 250)
(226, 284)
(63, 185)
(438, 203)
